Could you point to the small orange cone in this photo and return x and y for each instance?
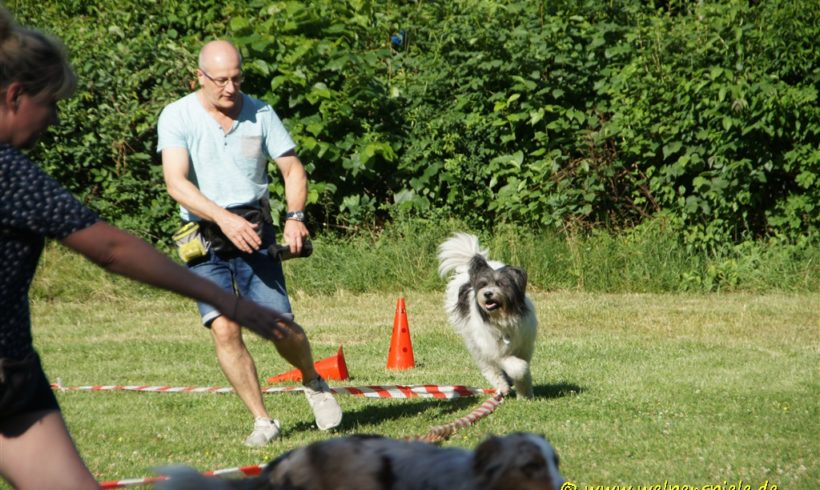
(400, 355)
(333, 367)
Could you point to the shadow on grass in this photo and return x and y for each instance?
(371, 416)
(435, 411)
(558, 390)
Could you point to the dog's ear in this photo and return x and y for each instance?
(478, 264)
(486, 458)
(531, 461)
(519, 277)
(535, 463)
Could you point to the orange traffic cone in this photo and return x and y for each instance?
(400, 355)
(333, 367)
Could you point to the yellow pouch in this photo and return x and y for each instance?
(189, 242)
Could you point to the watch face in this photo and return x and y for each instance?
(297, 215)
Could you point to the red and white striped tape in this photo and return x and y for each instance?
(253, 470)
(370, 391)
(413, 391)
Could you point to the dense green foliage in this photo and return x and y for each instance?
(555, 114)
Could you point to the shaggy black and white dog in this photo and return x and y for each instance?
(520, 461)
(487, 304)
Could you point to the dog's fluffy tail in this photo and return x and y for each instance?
(185, 478)
(456, 253)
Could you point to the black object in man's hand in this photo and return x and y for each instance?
(283, 252)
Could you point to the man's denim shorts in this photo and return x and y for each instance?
(254, 276)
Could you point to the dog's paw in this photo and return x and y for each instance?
(515, 368)
(503, 389)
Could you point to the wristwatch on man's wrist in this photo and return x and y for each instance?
(296, 215)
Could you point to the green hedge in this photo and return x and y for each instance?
(561, 114)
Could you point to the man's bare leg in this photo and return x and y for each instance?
(237, 364)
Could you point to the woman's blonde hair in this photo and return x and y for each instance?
(37, 61)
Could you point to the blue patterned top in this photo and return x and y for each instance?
(33, 207)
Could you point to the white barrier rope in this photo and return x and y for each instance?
(370, 391)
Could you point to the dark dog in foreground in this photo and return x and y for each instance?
(519, 461)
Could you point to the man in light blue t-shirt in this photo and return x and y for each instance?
(215, 145)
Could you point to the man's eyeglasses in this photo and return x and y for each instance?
(223, 82)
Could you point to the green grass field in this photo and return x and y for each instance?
(635, 389)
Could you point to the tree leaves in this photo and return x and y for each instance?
(563, 114)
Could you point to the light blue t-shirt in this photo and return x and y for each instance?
(228, 168)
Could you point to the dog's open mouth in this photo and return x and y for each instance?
(491, 305)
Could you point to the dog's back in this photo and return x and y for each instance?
(519, 460)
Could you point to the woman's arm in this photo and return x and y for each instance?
(122, 253)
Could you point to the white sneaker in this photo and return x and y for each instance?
(325, 408)
(264, 431)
